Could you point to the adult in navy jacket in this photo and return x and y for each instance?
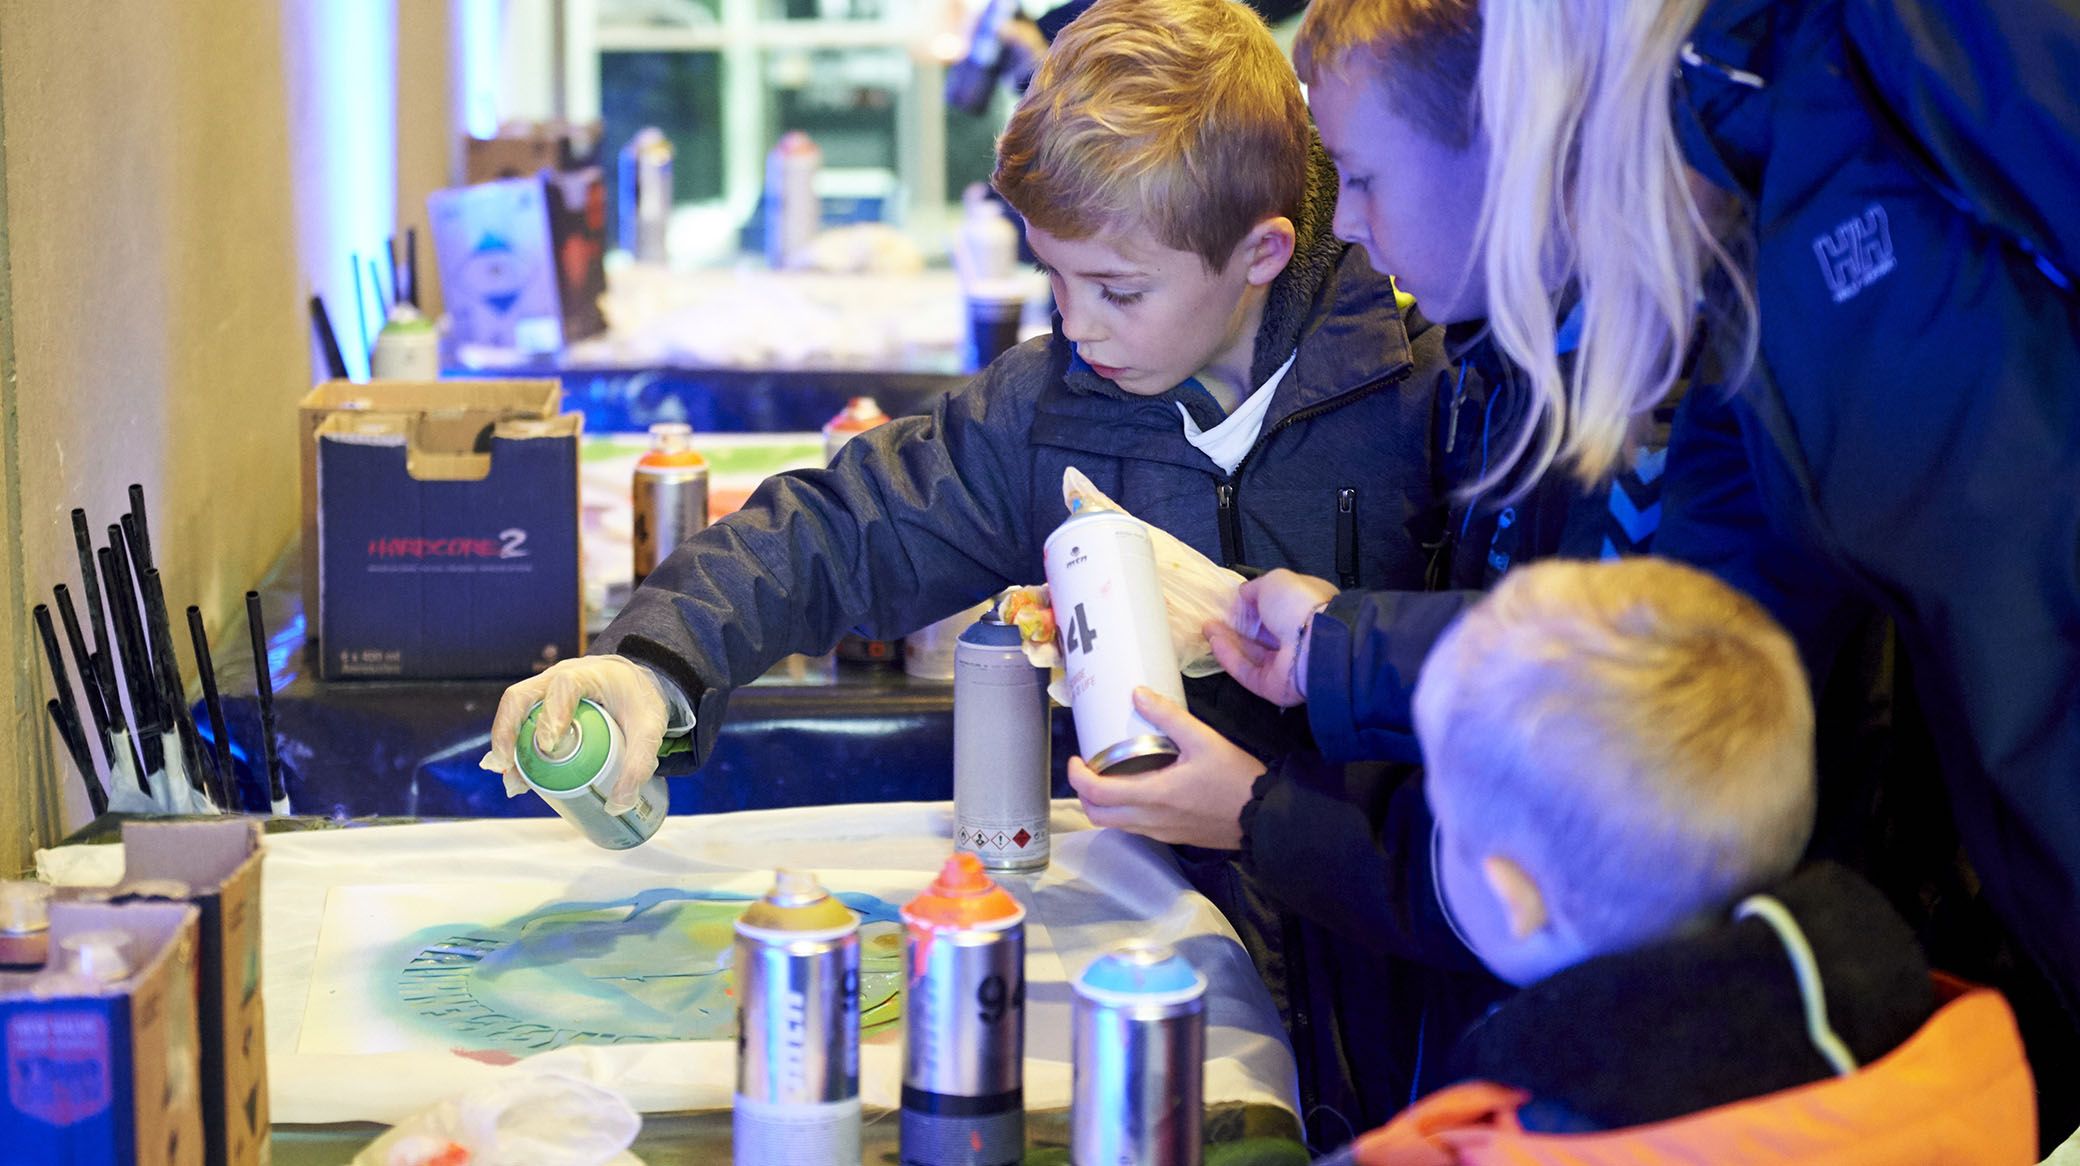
(1910, 171)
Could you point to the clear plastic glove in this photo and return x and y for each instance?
(522, 1120)
(1265, 646)
(626, 690)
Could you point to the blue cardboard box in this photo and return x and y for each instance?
(110, 1076)
(447, 539)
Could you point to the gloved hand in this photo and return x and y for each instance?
(627, 691)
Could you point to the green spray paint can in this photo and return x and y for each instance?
(574, 777)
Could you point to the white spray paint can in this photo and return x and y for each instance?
(1108, 607)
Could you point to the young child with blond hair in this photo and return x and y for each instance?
(1619, 757)
(1221, 365)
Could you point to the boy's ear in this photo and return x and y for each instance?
(1267, 249)
(1523, 904)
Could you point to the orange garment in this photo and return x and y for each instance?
(1957, 1093)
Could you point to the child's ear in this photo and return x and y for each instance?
(1522, 902)
(1268, 248)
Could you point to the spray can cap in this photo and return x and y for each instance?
(796, 904)
(963, 896)
(671, 445)
(1141, 971)
(578, 756)
(25, 907)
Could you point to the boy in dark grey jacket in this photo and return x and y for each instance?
(1223, 367)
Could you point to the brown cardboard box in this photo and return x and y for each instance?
(112, 1076)
(450, 406)
(526, 149)
(220, 863)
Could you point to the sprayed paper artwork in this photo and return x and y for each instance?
(553, 970)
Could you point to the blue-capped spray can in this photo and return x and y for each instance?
(964, 1022)
(1138, 1045)
(797, 987)
(1000, 748)
(574, 778)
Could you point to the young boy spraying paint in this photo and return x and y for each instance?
(1222, 367)
(1620, 759)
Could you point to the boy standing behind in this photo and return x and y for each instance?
(1620, 763)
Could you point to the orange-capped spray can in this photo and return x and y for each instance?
(859, 415)
(671, 495)
(964, 1022)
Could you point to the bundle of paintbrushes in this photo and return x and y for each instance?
(140, 750)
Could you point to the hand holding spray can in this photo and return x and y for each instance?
(1108, 603)
(1138, 1046)
(670, 492)
(1000, 748)
(797, 987)
(964, 1022)
(574, 777)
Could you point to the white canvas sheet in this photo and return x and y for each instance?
(344, 911)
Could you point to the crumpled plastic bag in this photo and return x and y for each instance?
(1195, 590)
(527, 1119)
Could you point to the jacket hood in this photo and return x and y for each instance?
(1707, 1019)
(1362, 316)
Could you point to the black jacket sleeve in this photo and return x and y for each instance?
(910, 522)
(1350, 847)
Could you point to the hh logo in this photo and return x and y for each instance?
(1857, 254)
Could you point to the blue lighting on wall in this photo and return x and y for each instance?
(479, 31)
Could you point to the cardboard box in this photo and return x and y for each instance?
(112, 1077)
(447, 535)
(219, 862)
(524, 149)
(479, 403)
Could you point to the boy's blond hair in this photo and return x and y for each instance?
(1635, 734)
(1178, 117)
(1422, 56)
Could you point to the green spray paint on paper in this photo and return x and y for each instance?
(652, 967)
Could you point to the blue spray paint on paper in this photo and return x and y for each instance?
(651, 967)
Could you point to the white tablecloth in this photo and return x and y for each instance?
(1103, 886)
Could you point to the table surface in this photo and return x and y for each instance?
(1236, 1135)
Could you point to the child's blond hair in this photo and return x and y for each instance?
(1635, 734)
(1423, 58)
(1178, 117)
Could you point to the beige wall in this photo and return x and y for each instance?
(152, 320)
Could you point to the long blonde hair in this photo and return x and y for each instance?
(1586, 182)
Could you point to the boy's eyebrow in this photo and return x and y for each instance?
(1100, 276)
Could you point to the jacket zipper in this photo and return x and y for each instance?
(1347, 538)
(1230, 523)
(1225, 490)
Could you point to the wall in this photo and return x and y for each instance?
(168, 171)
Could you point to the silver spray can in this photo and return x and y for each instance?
(797, 986)
(1000, 748)
(1138, 1046)
(644, 208)
(964, 1022)
(670, 494)
(1108, 609)
(573, 778)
